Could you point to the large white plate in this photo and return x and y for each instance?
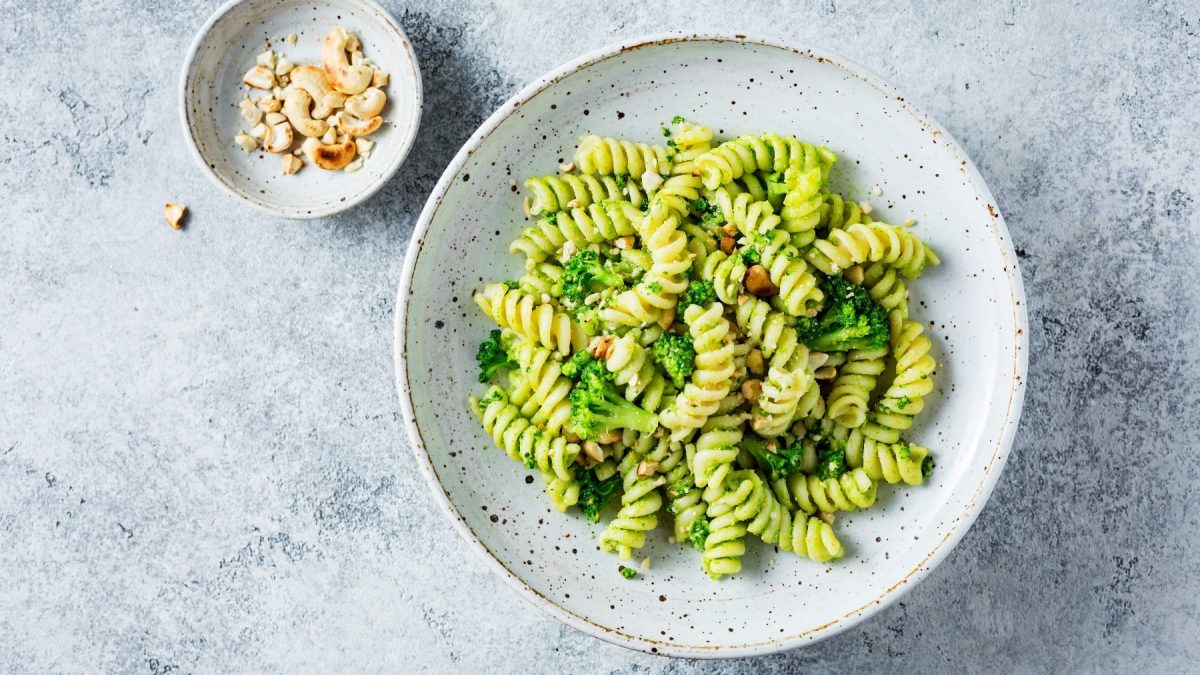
(974, 303)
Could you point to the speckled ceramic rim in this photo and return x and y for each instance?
(337, 205)
(939, 550)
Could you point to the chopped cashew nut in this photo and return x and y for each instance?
(292, 164)
(245, 141)
(353, 166)
(825, 516)
(269, 104)
(754, 361)
(280, 138)
(174, 214)
(752, 389)
(817, 359)
(344, 77)
(364, 146)
(647, 467)
(758, 282)
(329, 137)
(379, 79)
(266, 59)
(259, 77)
(592, 450)
(601, 345)
(727, 244)
(651, 181)
(291, 38)
(566, 168)
(825, 373)
(855, 274)
(260, 131)
(624, 243)
(283, 66)
(250, 112)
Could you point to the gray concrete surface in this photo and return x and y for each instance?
(202, 466)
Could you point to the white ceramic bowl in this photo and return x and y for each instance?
(211, 88)
(974, 301)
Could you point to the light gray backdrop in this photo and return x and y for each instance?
(201, 462)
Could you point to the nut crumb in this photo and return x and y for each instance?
(754, 361)
(727, 244)
(825, 373)
(758, 282)
(174, 214)
(826, 516)
(855, 274)
(647, 467)
(752, 389)
(566, 168)
(601, 345)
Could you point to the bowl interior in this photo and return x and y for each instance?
(971, 302)
(213, 88)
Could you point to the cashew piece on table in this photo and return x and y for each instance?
(367, 104)
(346, 78)
(329, 156)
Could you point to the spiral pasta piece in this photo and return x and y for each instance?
(632, 369)
(645, 303)
(884, 286)
(691, 141)
(640, 503)
(871, 242)
(701, 243)
(522, 441)
(710, 380)
(773, 333)
(798, 291)
(751, 218)
(539, 323)
(852, 490)
(905, 396)
(851, 393)
(716, 449)
(838, 213)
(812, 538)
(686, 502)
(725, 545)
(542, 279)
(725, 272)
(541, 391)
(611, 156)
(593, 224)
(551, 194)
(893, 463)
(776, 405)
(747, 154)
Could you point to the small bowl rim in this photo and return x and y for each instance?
(940, 550)
(290, 213)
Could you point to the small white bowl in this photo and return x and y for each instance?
(974, 303)
(211, 87)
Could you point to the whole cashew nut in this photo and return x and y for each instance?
(367, 104)
(358, 127)
(330, 157)
(296, 106)
(344, 77)
(312, 80)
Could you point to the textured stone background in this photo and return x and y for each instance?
(201, 462)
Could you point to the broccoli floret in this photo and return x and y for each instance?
(678, 119)
(779, 463)
(831, 461)
(622, 181)
(510, 283)
(751, 256)
(699, 532)
(927, 465)
(595, 493)
(709, 213)
(697, 293)
(628, 572)
(583, 272)
(597, 407)
(575, 365)
(493, 355)
(677, 355)
(851, 320)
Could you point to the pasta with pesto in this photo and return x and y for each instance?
(704, 332)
